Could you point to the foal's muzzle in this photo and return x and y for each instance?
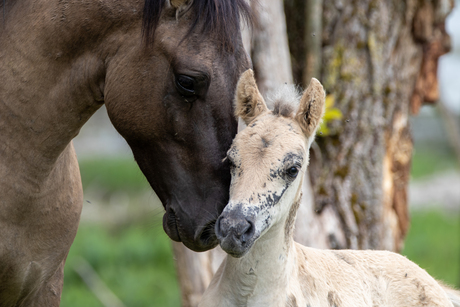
(235, 232)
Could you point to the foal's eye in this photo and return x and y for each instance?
(292, 172)
(185, 85)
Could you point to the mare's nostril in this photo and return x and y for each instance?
(208, 232)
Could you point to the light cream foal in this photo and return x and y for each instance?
(264, 266)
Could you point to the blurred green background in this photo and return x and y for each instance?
(122, 239)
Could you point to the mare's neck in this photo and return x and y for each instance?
(260, 278)
(54, 57)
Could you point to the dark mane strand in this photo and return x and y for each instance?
(215, 17)
(3, 6)
(150, 19)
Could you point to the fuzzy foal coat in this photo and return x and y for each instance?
(267, 268)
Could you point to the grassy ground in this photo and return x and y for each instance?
(431, 159)
(433, 243)
(135, 263)
(135, 260)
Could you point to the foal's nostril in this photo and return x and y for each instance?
(238, 229)
(241, 228)
(248, 232)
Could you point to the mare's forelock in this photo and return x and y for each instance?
(215, 17)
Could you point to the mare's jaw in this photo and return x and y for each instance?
(194, 232)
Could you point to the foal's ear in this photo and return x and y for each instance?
(311, 108)
(249, 102)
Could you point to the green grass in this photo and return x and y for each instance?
(433, 243)
(113, 174)
(428, 160)
(136, 263)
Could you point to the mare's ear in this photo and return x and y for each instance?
(181, 6)
(249, 103)
(311, 108)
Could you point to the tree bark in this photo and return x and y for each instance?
(374, 59)
(377, 58)
(269, 48)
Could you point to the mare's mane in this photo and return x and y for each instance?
(3, 7)
(217, 17)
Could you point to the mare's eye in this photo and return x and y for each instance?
(185, 85)
(292, 172)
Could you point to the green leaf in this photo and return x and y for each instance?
(330, 100)
(332, 113)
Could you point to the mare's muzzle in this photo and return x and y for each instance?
(199, 239)
(235, 231)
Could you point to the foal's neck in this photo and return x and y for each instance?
(262, 276)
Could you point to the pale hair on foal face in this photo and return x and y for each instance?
(268, 160)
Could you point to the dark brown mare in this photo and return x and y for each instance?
(166, 71)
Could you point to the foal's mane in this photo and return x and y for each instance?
(284, 101)
(217, 17)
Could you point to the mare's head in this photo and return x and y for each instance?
(268, 161)
(171, 98)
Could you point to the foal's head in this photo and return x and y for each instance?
(268, 160)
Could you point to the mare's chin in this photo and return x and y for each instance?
(198, 246)
(201, 244)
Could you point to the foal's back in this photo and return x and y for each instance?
(364, 278)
